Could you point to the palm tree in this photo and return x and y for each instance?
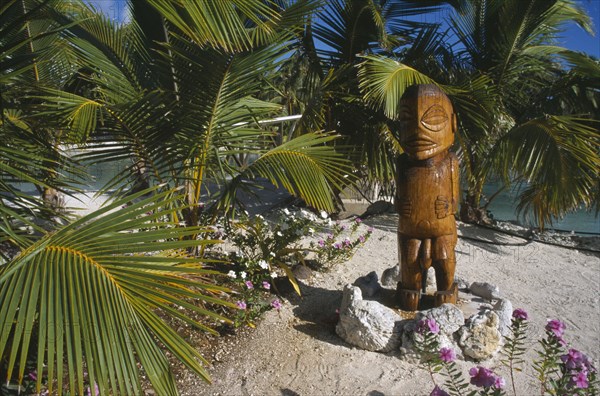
(199, 113)
(84, 298)
(505, 66)
(28, 155)
(323, 82)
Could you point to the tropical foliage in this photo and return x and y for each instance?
(178, 93)
(86, 299)
(515, 97)
(183, 108)
(326, 90)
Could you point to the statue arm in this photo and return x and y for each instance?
(455, 182)
(401, 203)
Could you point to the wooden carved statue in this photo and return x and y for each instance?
(426, 195)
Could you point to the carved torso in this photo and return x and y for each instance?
(425, 200)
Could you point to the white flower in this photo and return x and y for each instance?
(243, 275)
(286, 211)
(311, 230)
(324, 214)
(272, 254)
(279, 233)
(263, 264)
(273, 274)
(231, 274)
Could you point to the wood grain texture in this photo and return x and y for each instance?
(427, 193)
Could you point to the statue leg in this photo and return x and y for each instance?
(408, 291)
(444, 263)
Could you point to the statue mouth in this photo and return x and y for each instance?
(419, 144)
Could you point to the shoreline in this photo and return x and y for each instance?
(295, 351)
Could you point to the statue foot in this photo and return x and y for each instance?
(447, 296)
(408, 299)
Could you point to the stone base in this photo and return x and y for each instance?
(377, 325)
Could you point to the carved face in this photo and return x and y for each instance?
(427, 122)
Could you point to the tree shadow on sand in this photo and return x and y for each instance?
(318, 311)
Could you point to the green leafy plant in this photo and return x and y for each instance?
(340, 244)
(91, 292)
(560, 372)
(514, 344)
(264, 246)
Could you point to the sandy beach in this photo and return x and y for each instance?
(295, 351)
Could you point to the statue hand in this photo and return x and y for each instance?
(405, 208)
(442, 207)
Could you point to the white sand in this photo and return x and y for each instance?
(296, 352)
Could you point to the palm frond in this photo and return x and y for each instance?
(91, 291)
(222, 24)
(305, 166)
(384, 80)
(557, 157)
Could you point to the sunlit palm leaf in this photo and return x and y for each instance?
(384, 80)
(558, 159)
(305, 166)
(222, 24)
(91, 291)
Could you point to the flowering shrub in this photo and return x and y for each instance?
(340, 244)
(265, 248)
(560, 371)
(252, 301)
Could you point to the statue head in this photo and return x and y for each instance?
(427, 121)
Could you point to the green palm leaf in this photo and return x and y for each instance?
(558, 159)
(91, 291)
(305, 166)
(236, 25)
(383, 81)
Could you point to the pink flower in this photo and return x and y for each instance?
(329, 236)
(437, 391)
(573, 359)
(499, 382)
(447, 355)
(358, 220)
(266, 285)
(428, 325)
(482, 377)
(433, 326)
(370, 230)
(249, 285)
(520, 314)
(557, 328)
(347, 242)
(276, 304)
(580, 380)
(361, 239)
(321, 242)
(337, 245)
(241, 305)
(88, 391)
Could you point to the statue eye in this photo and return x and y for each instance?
(435, 118)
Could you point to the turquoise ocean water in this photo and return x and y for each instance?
(504, 206)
